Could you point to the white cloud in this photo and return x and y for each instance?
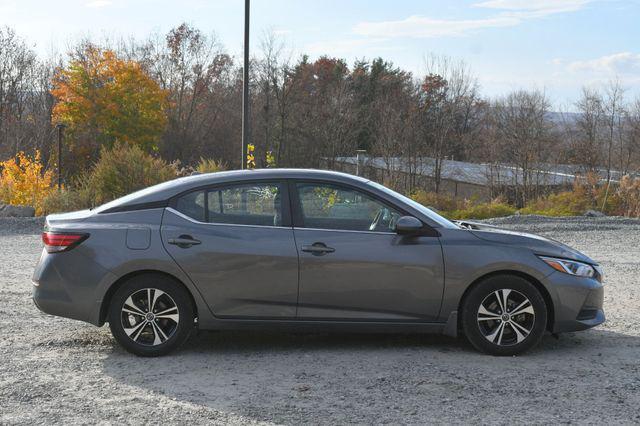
(512, 13)
(7, 8)
(535, 8)
(342, 46)
(96, 4)
(623, 63)
(424, 27)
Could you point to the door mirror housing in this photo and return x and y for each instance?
(408, 225)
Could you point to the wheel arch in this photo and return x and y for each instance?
(106, 300)
(535, 282)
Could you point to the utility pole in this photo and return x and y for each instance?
(60, 128)
(246, 125)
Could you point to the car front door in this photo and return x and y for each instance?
(353, 266)
(236, 244)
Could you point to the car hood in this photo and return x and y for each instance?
(538, 244)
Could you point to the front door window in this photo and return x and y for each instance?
(325, 206)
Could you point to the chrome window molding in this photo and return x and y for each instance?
(301, 228)
(190, 219)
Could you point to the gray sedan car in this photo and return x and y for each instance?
(305, 249)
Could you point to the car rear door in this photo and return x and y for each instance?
(236, 243)
(353, 265)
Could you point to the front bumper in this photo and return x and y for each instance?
(578, 302)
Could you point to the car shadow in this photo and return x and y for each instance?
(269, 376)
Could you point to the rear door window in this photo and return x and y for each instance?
(258, 204)
(249, 204)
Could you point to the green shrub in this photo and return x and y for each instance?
(440, 202)
(453, 208)
(587, 193)
(119, 171)
(125, 169)
(209, 165)
(68, 200)
(567, 203)
(629, 195)
(482, 211)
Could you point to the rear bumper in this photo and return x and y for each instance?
(77, 295)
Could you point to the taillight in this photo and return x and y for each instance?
(55, 242)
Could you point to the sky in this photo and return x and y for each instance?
(557, 46)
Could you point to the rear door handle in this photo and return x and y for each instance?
(184, 241)
(318, 249)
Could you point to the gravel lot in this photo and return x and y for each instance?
(54, 370)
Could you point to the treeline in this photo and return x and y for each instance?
(179, 96)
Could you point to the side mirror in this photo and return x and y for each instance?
(407, 225)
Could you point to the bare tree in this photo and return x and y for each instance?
(449, 93)
(589, 128)
(631, 152)
(523, 131)
(276, 86)
(19, 78)
(198, 75)
(392, 131)
(613, 113)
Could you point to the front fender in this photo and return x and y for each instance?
(468, 259)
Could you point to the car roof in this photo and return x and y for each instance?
(268, 173)
(166, 190)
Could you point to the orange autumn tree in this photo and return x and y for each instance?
(103, 99)
(24, 181)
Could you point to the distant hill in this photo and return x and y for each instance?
(562, 117)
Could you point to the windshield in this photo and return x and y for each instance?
(445, 223)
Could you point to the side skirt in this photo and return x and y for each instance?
(319, 325)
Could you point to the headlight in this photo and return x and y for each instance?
(570, 267)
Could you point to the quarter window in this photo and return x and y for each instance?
(326, 206)
(192, 205)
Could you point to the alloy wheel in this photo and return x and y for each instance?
(506, 317)
(150, 317)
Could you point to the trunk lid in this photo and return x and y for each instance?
(58, 219)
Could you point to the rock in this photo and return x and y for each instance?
(594, 213)
(8, 210)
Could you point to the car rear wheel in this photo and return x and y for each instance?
(504, 315)
(151, 315)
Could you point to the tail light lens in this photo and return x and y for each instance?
(55, 242)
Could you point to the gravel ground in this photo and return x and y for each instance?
(54, 370)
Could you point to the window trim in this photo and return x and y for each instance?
(296, 206)
(192, 220)
(285, 204)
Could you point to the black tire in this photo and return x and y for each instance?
(140, 326)
(479, 328)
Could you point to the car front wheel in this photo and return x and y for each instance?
(151, 315)
(504, 315)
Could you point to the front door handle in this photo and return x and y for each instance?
(184, 241)
(318, 249)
